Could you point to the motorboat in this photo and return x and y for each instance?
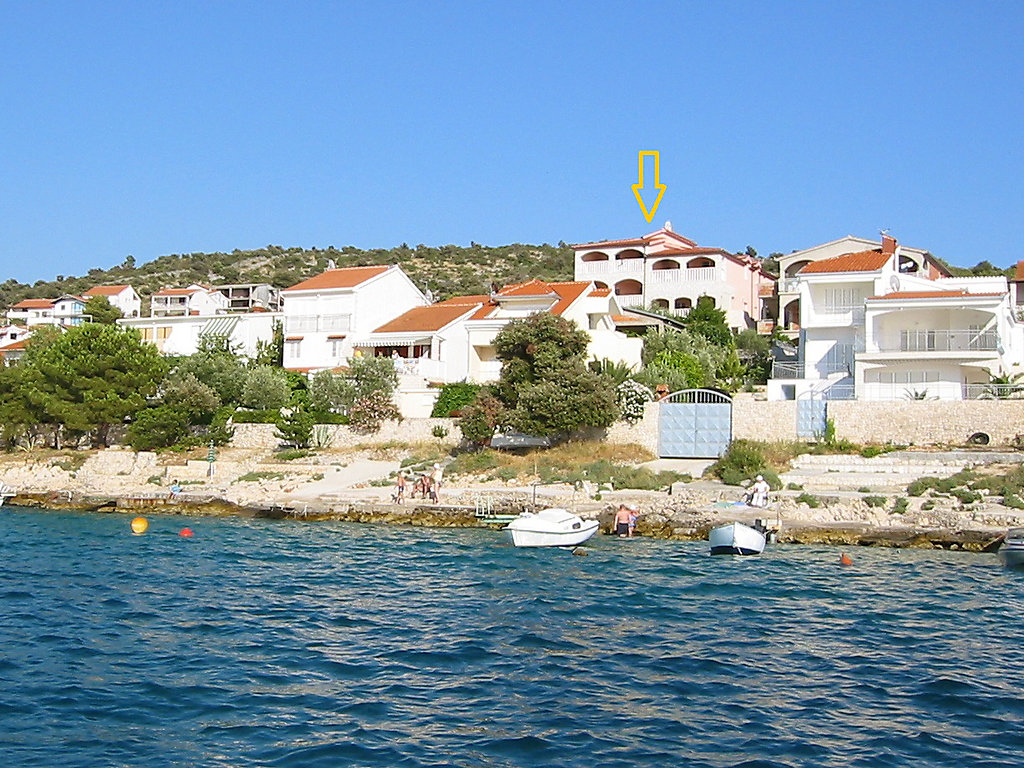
(1012, 551)
(6, 492)
(736, 539)
(551, 527)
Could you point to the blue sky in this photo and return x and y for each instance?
(152, 128)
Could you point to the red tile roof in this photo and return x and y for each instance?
(426, 319)
(481, 298)
(344, 277)
(177, 292)
(105, 290)
(1018, 273)
(958, 294)
(862, 261)
(567, 292)
(612, 243)
(34, 304)
(600, 292)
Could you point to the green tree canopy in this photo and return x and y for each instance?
(545, 383)
(102, 311)
(708, 321)
(92, 377)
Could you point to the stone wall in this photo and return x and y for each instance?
(644, 433)
(923, 422)
(768, 421)
(261, 436)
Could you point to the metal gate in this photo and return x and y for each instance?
(695, 424)
(811, 415)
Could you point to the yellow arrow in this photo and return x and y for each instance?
(638, 188)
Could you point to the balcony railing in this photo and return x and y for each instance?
(620, 267)
(630, 300)
(787, 369)
(686, 275)
(789, 285)
(313, 323)
(942, 341)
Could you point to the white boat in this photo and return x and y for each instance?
(6, 492)
(552, 527)
(736, 539)
(1012, 551)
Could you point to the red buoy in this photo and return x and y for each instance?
(186, 532)
(845, 559)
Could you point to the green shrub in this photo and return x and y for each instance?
(794, 487)
(811, 501)
(453, 398)
(874, 501)
(863, 489)
(928, 504)
(1013, 501)
(254, 477)
(742, 460)
(256, 417)
(158, 427)
(481, 417)
(900, 505)
(439, 432)
(370, 411)
(966, 495)
(870, 451)
(922, 484)
(290, 454)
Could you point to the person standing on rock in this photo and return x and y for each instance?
(622, 516)
(400, 488)
(634, 513)
(435, 483)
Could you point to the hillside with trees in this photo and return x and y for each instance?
(446, 270)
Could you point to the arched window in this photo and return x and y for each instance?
(666, 264)
(660, 304)
(594, 256)
(628, 288)
(629, 253)
(908, 265)
(795, 267)
(599, 284)
(699, 262)
(682, 303)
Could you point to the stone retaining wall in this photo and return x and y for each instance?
(923, 422)
(261, 436)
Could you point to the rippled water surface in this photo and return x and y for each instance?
(292, 644)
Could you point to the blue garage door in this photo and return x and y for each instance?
(695, 424)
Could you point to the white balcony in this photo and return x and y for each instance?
(313, 323)
(789, 285)
(611, 267)
(689, 275)
(940, 341)
(631, 300)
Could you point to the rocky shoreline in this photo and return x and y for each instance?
(688, 520)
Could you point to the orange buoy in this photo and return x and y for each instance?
(845, 559)
(186, 533)
(139, 525)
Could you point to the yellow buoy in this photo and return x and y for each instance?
(139, 525)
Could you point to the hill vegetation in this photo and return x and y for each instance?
(446, 270)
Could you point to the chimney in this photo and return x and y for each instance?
(888, 245)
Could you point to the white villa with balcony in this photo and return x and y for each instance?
(665, 270)
(122, 297)
(68, 310)
(453, 340)
(874, 328)
(323, 314)
(195, 300)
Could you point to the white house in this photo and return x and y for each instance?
(872, 327)
(665, 270)
(453, 340)
(12, 342)
(123, 297)
(195, 300)
(182, 334)
(67, 310)
(323, 314)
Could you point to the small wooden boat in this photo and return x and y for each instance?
(1012, 551)
(736, 539)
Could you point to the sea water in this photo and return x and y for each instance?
(277, 643)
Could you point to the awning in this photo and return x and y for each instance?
(219, 326)
(392, 340)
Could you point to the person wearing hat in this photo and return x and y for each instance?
(759, 492)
